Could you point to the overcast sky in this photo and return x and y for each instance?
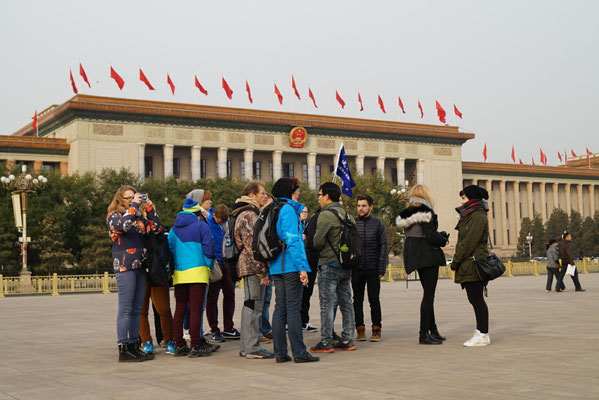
(523, 73)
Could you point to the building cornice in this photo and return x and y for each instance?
(34, 145)
(529, 171)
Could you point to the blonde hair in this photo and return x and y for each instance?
(118, 203)
(422, 192)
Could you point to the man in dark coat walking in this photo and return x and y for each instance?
(565, 253)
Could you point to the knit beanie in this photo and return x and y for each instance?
(189, 203)
(285, 187)
(196, 195)
(476, 192)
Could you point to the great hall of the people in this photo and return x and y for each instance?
(160, 139)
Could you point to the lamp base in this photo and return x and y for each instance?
(25, 281)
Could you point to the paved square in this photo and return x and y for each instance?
(544, 345)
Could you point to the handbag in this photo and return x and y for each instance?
(216, 274)
(489, 267)
(571, 270)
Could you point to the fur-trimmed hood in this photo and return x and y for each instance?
(414, 215)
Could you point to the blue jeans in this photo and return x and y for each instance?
(288, 295)
(264, 321)
(334, 288)
(131, 287)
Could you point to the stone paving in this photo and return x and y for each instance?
(544, 345)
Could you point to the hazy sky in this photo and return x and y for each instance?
(522, 72)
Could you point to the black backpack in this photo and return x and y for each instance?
(350, 244)
(267, 245)
(230, 250)
(158, 260)
(311, 251)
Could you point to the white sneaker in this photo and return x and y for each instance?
(186, 334)
(478, 339)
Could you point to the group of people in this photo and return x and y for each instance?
(559, 257)
(311, 248)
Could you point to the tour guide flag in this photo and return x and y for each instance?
(342, 171)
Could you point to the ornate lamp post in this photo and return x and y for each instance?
(21, 185)
(529, 240)
(401, 193)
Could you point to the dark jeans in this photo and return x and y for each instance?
(475, 296)
(306, 294)
(360, 279)
(334, 288)
(288, 297)
(228, 289)
(157, 326)
(574, 278)
(428, 280)
(558, 279)
(264, 321)
(131, 287)
(195, 294)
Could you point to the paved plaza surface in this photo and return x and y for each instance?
(544, 345)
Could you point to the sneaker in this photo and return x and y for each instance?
(217, 337)
(307, 357)
(182, 351)
(170, 347)
(148, 348)
(232, 334)
(209, 346)
(201, 351)
(242, 354)
(260, 354)
(347, 345)
(336, 339)
(310, 328)
(478, 339)
(186, 334)
(322, 348)
(283, 359)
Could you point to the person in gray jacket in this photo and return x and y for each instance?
(553, 267)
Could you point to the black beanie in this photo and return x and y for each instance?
(285, 187)
(476, 192)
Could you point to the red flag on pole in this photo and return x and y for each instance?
(420, 108)
(573, 154)
(485, 153)
(457, 112)
(200, 87)
(295, 88)
(533, 160)
(401, 105)
(247, 89)
(144, 79)
(170, 83)
(360, 100)
(339, 99)
(541, 156)
(83, 75)
(73, 82)
(513, 154)
(566, 157)
(279, 95)
(34, 123)
(227, 89)
(521, 163)
(311, 95)
(559, 155)
(117, 78)
(381, 105)
(589, 157)
(440, 112)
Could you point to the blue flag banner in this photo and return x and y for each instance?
(342, 171)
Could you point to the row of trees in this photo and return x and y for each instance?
(585, 233)
(67, 219)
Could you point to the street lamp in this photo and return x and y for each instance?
(529, 240)
(21, 185)
(402, 192)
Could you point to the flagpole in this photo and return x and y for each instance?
(337, 163)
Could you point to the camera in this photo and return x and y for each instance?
(144, 197)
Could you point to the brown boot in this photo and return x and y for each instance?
(361, 329)
(376, 334)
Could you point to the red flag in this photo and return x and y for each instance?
(360, 100)
(169, 81)
(589, 157)
(200, 87)
(382, 105)
(401, 104)
(144, 79)
(117, 78)
(420, 107)
(559, 155)
(72, 82)
(295, 88)
(34, 123)
(311, 95)
(247, 89)
(227, 89)
(513, 154)
(457, 112)
(533, 160)
(573, 154)
(484, 152)
(521, 163)
(339, 99)
(440, 112)
(542, 156)
(83, 75)
(279, 95)
(566, 157)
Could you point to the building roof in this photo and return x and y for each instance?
(33, 145)
(145, 111)
(540, 171)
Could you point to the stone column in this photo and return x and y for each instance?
(401, 171)
(360, 164)
(555, 188)
(248, 160)
(37, 165)
(580, 203)
(167, 151)
(517, 215)
(277, 166)
(489, 186)
(10, 165)
(142, 160)
(380, 166)
(531, 215)
(543, 202)
(196, 163)
(64, 168)
(222, 162)
(592, 199)
(568, 199)
(420, 171)
(503, 212)
(312, 170)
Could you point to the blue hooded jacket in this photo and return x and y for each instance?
(290, 229)
(218, 231)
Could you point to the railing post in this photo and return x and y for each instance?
(584, 266)
(452, 274)
(39, 285)
(1, 286)
(389, 277)
(105, 289)
(72, 284)
(55, 284)
(536, 265)
(509, 269)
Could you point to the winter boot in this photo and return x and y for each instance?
(361, 329)
(127, 356)
(376, 334)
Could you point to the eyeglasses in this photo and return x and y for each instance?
(128, 198)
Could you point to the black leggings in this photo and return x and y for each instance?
(428, 280)
(475, 297)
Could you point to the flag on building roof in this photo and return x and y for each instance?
(485, 153)
(83, 75)
(169, 81)
(279, 95)
(295, 88)
(513, 154)
(227, 89)
(401, 105)
(573, 154)
(73, 86)
(339, 99)
(144, 79)
(311, 95)
(420, 108)
(34, 124)
(382, 105)
(440, 112)
(200, 87)
(559, 155)
(360, 101)
(247, 89)
(117, 78)
(457, 112)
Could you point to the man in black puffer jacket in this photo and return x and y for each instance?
(374, 264)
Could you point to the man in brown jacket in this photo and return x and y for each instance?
(565, 253)
(253, 273)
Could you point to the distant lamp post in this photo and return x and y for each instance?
(401, 193)
(529, 240)
(21, 185)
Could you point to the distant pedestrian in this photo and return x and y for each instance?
(565, 253)
(553, 267)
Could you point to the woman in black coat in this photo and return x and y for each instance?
(422, 252)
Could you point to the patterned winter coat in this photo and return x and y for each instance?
(129, 233)
(244, 237)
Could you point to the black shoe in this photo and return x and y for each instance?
(581, 290)
(307, 357)
(283, 359)
(347, 345)
(136, 349)
(437, 336)
(125, 355)
(182, 351)
(199, 352)
(426, 338)
(209, 346)
(322, 348)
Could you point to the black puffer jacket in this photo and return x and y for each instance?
(423, 242)
(375, 251)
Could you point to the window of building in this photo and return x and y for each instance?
(243, 171)
(493, 209)
(520, 210)
(317, 174)
(203, 168)
(494, 237)
(50, 166)
(149, 166)
(305, 172)
(507, 211)
(177, 167)
(257, 170)
(394, 176)
(288, 171)
(228, 168)
(508, 237)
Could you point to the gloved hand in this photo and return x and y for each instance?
(454, 266)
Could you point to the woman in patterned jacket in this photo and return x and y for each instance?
(131, 218)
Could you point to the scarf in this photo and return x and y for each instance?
(421, 201)
(469, 207)
(249, 200)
